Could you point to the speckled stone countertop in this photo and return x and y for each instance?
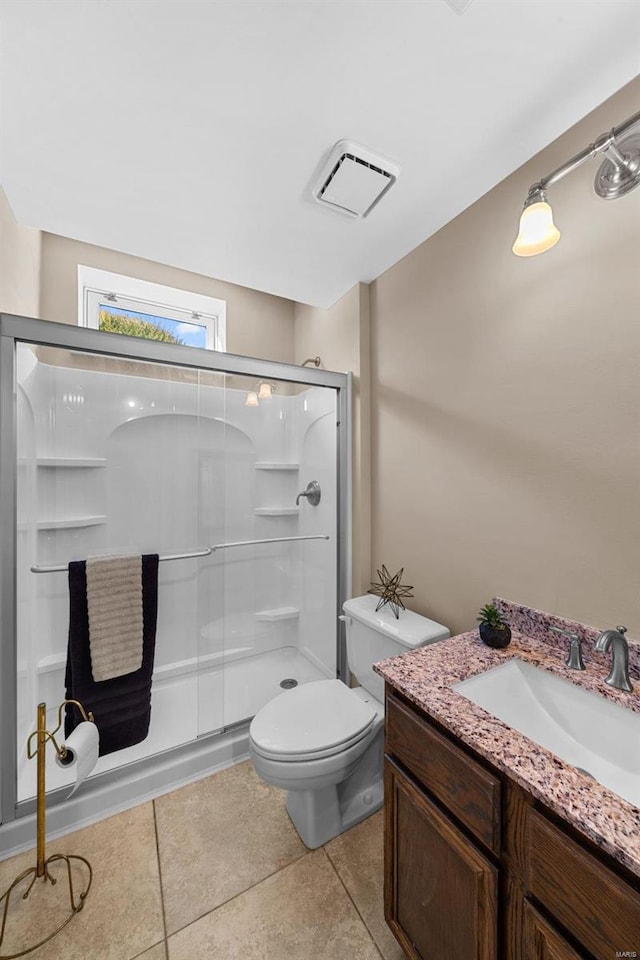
(427, 675)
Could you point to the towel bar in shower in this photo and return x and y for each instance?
(250, 543)
(62, 568)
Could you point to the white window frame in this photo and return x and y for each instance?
(99, 286)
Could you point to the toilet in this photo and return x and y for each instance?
(323, 742)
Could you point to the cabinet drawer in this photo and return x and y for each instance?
(600, 909)
(463, 786)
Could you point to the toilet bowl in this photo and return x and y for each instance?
(323, 742)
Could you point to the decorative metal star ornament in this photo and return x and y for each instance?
(390, 590)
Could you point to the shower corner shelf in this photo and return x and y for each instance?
(277, 511)
(66, 462)
(70, 523)
(276, 465)
(278, 613)
(71, 462)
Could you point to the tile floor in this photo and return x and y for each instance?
(213, 871)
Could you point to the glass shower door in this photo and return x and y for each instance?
(277, 558)
(109, 463)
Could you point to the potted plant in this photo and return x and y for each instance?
(494, 630)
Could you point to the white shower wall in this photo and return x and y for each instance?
(121, 463)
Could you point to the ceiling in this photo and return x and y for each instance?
(190, 132)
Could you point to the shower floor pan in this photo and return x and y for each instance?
(187, 706)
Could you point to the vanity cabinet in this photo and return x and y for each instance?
(441, 892)
(441, 887)
(476, 868)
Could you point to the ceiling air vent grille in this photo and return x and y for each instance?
(354, 179)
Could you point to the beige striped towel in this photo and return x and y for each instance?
(114, 602)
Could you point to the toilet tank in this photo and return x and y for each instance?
(375, 636)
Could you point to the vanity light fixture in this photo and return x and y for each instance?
(618, 174)
(537, 231)
(252, 399)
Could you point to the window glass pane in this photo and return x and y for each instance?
(114, 319)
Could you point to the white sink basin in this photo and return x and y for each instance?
(591, 733)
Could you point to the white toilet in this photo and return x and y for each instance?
(323, 742)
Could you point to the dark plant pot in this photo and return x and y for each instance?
(494, 636)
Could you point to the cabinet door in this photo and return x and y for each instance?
(542, 942)
(440, 891)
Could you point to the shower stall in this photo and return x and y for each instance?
(113, 445)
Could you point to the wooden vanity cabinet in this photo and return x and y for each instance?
(441, 893)
(476, 869)
(441, 887)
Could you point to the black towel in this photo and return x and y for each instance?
(121, 706)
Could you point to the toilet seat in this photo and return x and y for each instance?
(316, 720)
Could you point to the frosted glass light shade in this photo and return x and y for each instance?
(266, 391)
(252, 399)
(537, 231)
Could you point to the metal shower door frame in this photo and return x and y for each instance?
(44, 333)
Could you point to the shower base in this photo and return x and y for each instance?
(192, 704)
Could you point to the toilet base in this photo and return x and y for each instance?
(325, 797)
(318, 815)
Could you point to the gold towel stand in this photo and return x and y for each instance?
(41, 869)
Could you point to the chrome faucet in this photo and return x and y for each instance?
(616, 641)
(574, 660)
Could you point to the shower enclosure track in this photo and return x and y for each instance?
(206, 552)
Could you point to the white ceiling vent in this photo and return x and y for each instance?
(354, 179)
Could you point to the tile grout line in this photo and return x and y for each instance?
(355, 906)
(164, 917)
(140, 956)
(239, 894)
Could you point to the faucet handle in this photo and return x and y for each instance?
(565, 633)
(574, 661)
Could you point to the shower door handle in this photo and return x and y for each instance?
(312, 493)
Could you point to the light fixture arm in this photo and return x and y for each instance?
(606, 144)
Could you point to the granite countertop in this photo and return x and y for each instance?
(426, 677)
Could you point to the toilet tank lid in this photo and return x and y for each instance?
(411, 630)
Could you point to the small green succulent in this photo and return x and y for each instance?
(491, 617)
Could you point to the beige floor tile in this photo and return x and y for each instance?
(357, 855)
(122, 915)
(159, 952)
(301, 913)
(218, 837)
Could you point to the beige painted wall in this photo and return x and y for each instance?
(340, 336)
(258, 324)
(506, 403)
(19, 264)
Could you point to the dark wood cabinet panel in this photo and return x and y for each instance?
(440, 891)
(542, 942)
(470, 792)
(559, 898)
(599, 908)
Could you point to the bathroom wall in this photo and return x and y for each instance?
(340, 335)
(258, 324)
(506, 403)
(20, 249)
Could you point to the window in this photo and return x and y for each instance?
(138, 308)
